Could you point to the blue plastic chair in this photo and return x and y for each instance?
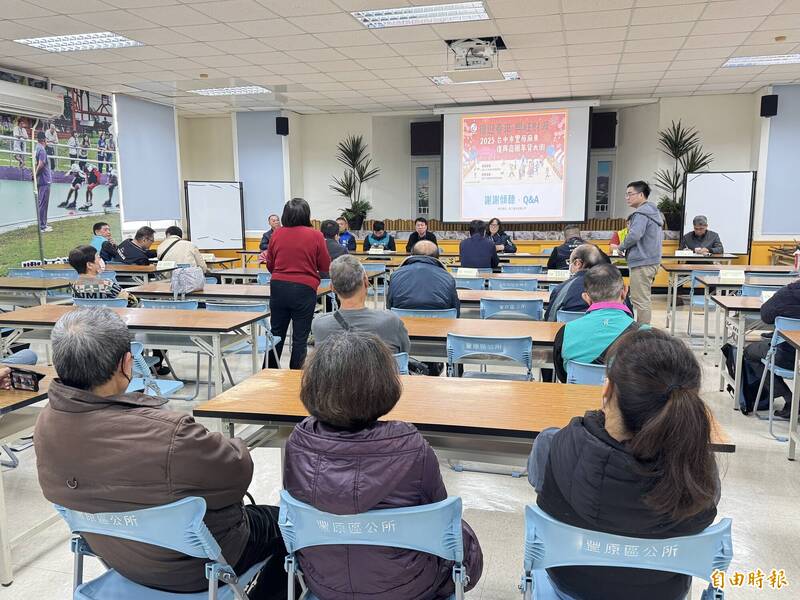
(471, 349)
(523, 285)
(264, 278)
(25, 272)
(177, 526)
(550, 543)
(697, 301)
(470, 283)
(530, 269)
(110, 275)
(171, 304)
(143, 380)
(785, 324)
(401, 358)
(754, 291)
(565, 316)
(107, 302)
(585, 373)
(769, 275)
(176, 305)
(430, 528)
(70, 274)
(211, 281)
(427, 313)
(329, 295)
(373, 267)
(527, 310)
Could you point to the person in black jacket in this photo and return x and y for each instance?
(569, 295)
(330, 231)
(560, 256)
(640, 467)
(274, 223)
(785, 303)
(136, 251)
(478, 251)
(502, 241)
(421, 233)
(422, 282)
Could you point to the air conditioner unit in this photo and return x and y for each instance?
(29, 101)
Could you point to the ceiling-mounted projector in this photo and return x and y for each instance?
(474, 59)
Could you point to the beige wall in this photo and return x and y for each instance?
(206, 146)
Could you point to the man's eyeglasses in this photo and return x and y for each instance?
(629, 194)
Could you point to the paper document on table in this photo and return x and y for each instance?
(208, 256)
(465, 272)
(560, 274)
(684, 252)
(166, 264)
(731, 276)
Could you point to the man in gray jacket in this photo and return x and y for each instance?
(642, 247)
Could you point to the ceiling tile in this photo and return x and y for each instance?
(349, 38)
(57, 25)
(586, 36)
(653, 56)
(267, 58)
(528, 25)
(599, 59)
(17, 9)
(502, 9)
(327, 23)
(335, 66)
(267, 27)
(602, 48)
(701, 53)
(726, 25)
(666, 14)
(243, 46)
(234, 10)
(210, 33)
(159, 35)
(452, 31)
(788, 6)
(304, 41)
(380, 51)
(173, 15)
(653, 67)
(697, 64)
(117, 19)
(664, 30)
(315, 55)
(192, 49)
(414, 33)
(715, 41)
(739, 8)
(354, 76)
(764, 49)
(391, 62)
(14, 31)
(296, 8)
(596, 70)
(223, 60)
(539, 40)
(593, 20)
(654, 45)
(590, 5)
(766, 37)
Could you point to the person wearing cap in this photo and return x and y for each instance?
(112, 183)
(43, 179)
(701, 240)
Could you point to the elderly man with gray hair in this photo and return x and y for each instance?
(701, 239)
(102, 449)
(349, 281)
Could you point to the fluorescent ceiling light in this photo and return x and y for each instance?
(445, 80)
(422, 15)
(243, 90)
(100, 40)
(762, 61)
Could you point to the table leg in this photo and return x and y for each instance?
(705, 319)
(6, 575)
(669, 300)
(721, 356)
(675, 304)
(217, 346)
(740, 335)
(793, 412)
(254, 342)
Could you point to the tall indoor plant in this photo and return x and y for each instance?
(352, 153)
(683, 146)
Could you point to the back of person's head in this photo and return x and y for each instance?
(329, 229)
(174, 230)
(604, 283)
(98, 226)
(347, 275)
(296, 213)
(366, 364)
(80, 257)
(425, 248)
(477, 227)
(655, 380)
(40, 136)
(572, 231)
(88, 346)
(589, 255)
(145, 233)
(642, 187)
(378, 226)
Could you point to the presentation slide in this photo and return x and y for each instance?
(521, 166)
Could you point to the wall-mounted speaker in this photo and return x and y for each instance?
(769, 105)
(282, 125)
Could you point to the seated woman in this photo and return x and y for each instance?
(343, 460)
(640, 467)
(87, 262)
(502, 241)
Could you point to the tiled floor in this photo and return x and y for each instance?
(760, 493)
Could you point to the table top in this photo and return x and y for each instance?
(688, 268)
(32, 283)
(120, 268)
(478, 295)
(699, 257)
(212, 290)
(713, 280)
(221, 261)
(517, 408)
(739, 303)
(253, 272)
(423, 328)
(793, 337)
(150, 319)
(11, 400)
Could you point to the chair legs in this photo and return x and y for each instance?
(770, 364)
(14, 462)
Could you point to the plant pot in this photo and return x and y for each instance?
(356, 222)
(673, 221)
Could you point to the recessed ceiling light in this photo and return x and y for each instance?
(445, 80)
(243, 90)
(763, 61)
(422, 15)
(100, 40)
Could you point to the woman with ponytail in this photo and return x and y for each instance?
(640, 467)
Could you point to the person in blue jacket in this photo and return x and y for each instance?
(346, 239)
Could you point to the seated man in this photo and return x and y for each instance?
(379, 238)
(701, 239)
(478, 251)
(330, 231)
(569, 295)
(349, 281)
(346, 239)
(559, 259)
(274, 223)
(422, 282)
(421, 233)
(137, 251)
(175, 248)
(103, 242)
(86, 261)
(155, 456)
(587, 339)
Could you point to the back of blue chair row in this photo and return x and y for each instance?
(477, 349)
(585, 373)
(755, 291)
(565, 316)
(520, 284)
(106, 302)
(530, 269)
(527, 310)
(469, 283)
(170, 304)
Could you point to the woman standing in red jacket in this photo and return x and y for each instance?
(295, 256)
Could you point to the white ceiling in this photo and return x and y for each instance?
(317, 58)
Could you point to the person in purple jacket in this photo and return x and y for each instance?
(343, 460)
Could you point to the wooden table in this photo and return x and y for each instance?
(17, 419)
(211, 262)
(213, 292)
(209, 332)
(793, 337)
(475, 296)
(245, 274)
(485, 419)
(432, 329)
(24, 291)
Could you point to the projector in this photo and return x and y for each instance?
(474, 59)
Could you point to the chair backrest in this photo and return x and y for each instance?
(443, 313)
(70, 274)
(531, 310)
(532, 269)
(695, 274)
(140, 366)
(211, 281)
(264, 278)
(431, 528)
(15, 272)
(785, 324)
(550, 543)
(755, 290)
(374, 267)
(525, 285)
(110, 275)
(401, 358)
(518, 349)
(107, 302)
(469, 283)
(177, 526)
(259, 307)
(565, 316)
(770, 275)
(585, 373)
(171, 304)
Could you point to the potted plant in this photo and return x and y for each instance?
(352, 153)
(683, 146)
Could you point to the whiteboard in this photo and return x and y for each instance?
(727, 200)
(215, 214)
